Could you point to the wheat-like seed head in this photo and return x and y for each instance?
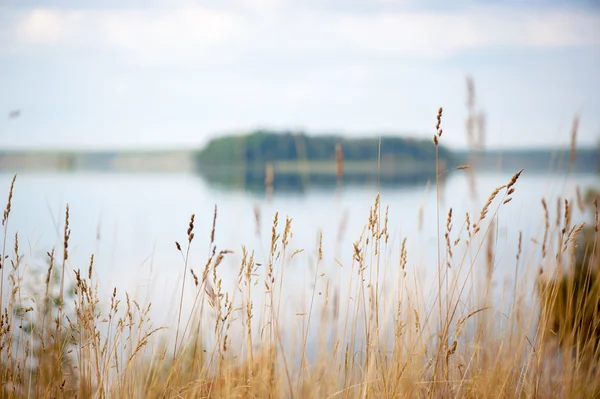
(9, 202)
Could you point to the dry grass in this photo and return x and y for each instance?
(380, 333)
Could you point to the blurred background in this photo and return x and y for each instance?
(139, 113)
(155, 74)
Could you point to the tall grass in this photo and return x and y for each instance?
(378, 333)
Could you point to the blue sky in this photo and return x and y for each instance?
(155, 74)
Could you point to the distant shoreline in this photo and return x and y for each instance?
(292, 154)
(587, 160)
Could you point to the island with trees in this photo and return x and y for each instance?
(290, 160)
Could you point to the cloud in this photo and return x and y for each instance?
(172, 34)
(438, 34)
(145, 35)
(41, 27)
(264, 5)
(191, 34)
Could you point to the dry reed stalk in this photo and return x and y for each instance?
(287, 232)
(195, 277)
(490, 252)
(269, 178)
(475, 130)
(516, 280)
(567, 218)
(214, 226)
(472, 183)
(204, 286)
(444, 323)
(59, 320)
(546, 228)
(385, 232)
(190, 234)
(596, 219)
(468, 225)
(5, 225)
(447, 236)
(439, 122)
(485, 209)
(274, 237)
(475, 124)
(580, 203)
(572, 240)
(249, 269)
(320, 246)
(574, 128)
(514, 179)
(339, 158)
(509, 190)
(257, 219)
(9, 202)
(558, 212)
(481, 126)
(470, 122)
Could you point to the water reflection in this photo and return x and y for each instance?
(259, 180)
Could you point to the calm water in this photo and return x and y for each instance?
(131, 223)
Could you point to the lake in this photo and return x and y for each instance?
(130, 222)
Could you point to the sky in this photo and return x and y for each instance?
(173, 74)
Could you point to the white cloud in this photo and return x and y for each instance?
(439, 34)
(264, 5)
(172, 34)
(272, 28)
(46, 27)
(145, 35)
